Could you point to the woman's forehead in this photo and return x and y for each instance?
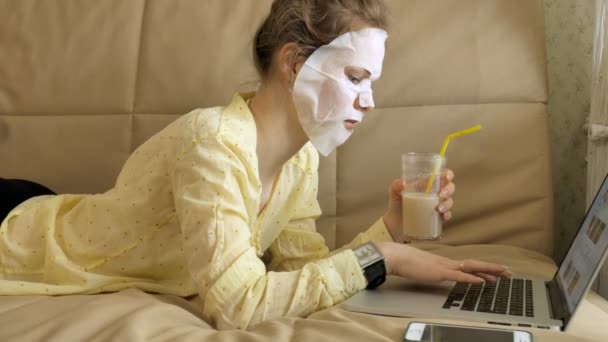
(362, 49)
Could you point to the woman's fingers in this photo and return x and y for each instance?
(447, 191)
(506, 274)
(445, 205)
(446, 216)
(396, 189)
(462, 277)
(485, 270)
(475, 266)
(447, 177)
(487, 277)
(444, 208)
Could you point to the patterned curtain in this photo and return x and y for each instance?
(598, 121)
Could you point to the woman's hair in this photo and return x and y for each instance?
(311, 24)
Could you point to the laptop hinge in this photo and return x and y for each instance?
(559, 308)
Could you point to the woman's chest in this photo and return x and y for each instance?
(278, 205)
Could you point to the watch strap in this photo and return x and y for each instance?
(375, 274)
(374, 271)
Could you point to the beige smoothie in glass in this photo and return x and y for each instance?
(420, 197)
(420, 219)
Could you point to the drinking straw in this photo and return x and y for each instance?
(446, 142)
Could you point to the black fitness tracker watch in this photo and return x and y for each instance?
(372, 264)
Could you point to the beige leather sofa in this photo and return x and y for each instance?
(83, 83)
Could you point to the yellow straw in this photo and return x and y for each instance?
(451, 136)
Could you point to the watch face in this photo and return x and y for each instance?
(366, 254)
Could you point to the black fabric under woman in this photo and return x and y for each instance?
(16, 191)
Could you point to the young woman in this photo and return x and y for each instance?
(222, 202)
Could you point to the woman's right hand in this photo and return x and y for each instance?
(415, 264)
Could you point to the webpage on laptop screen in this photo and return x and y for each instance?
(586, 251)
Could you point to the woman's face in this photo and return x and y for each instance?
(333, 95)
(332, 90)
(356, 75)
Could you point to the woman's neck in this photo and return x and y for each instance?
(279, 133)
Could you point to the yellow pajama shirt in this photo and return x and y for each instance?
(183, 218)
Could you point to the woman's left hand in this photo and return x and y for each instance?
(392, 218)
(410, 262)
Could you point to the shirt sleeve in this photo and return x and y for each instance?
(299, 242)
(210, 185)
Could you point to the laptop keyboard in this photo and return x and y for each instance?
(506, 296)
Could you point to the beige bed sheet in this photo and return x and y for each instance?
(133, 315)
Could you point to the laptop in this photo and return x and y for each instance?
(516, 301)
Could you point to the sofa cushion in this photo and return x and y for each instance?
(81, 86)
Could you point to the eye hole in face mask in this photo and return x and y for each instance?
(356, 74)
(353, 79)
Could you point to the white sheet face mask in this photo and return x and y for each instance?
(324, 96)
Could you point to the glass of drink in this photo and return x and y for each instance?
(420, 198)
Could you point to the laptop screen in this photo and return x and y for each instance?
(586, 252)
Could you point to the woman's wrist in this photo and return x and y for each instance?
(392, 225)
(387, 250)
